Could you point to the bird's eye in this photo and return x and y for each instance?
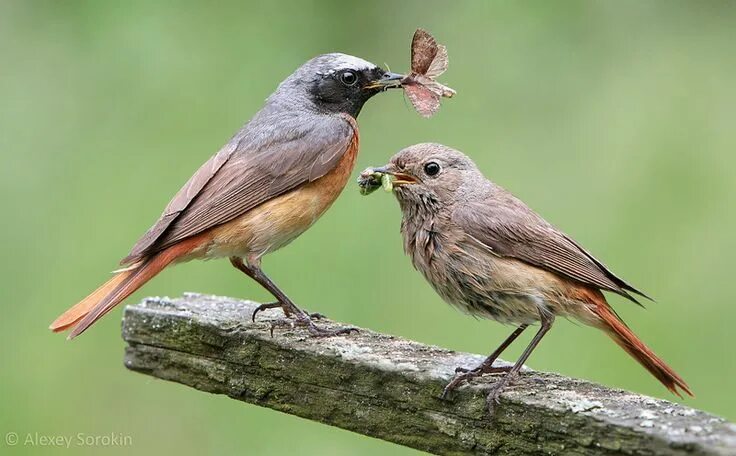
(432, 168)
(348, 78)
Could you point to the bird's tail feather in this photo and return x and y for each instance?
(627, 340)
(85, 313)
(83, 307)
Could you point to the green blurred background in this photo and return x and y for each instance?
(615, 120)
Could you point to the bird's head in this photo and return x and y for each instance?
(335, 83)
(430, 176)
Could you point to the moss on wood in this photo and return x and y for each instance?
(387, 387)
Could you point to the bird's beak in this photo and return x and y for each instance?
(387, 81)
(399, 178)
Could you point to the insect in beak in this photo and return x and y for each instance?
(398, 178)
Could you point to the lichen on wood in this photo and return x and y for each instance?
(388, 387)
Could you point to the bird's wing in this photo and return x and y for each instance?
(252, 169)
(516, 231)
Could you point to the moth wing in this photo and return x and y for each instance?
(440, 90)
(426, 102)
(439, 63)
(423, 51)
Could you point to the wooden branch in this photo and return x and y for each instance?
(388, 387)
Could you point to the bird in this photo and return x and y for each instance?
(267, 185)
(487, 253)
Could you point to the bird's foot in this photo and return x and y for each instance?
(287, 311)
(494, 395)
(316, 331)
(465, 375)
(268, 305)
(307, 321)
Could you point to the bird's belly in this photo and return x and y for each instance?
(501, 289)
(503, 307)
(276, 223)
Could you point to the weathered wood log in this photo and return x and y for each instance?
(388, 387)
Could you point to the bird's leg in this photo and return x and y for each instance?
(493, 396)
(488, 362)
(486, 367)
(253, 270)
(239, 264)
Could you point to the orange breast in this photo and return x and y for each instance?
(274, 224)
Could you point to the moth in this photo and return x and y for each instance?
(428, 61)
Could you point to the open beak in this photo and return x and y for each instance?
(398, 177)
(387, 81)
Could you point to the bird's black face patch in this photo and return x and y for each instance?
(346, 89)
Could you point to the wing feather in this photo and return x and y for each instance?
(250, 170)
(516, 231)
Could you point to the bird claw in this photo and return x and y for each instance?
(494, 395)
(492, 400)
(465, 375)
(460, 376)
(268, 305)
(287, 312)
(315, 331)
(281, 322)
(306, 321)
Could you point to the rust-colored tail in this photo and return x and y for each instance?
(624, 337)
(85, 313)
(83, 307)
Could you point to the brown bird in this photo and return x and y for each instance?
(487, 253)
(264, 188)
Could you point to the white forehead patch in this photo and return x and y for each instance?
(349, 61)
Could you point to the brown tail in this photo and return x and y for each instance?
(624, 337)
(85, 313)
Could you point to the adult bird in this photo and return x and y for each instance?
(265, 187)
(487, 253)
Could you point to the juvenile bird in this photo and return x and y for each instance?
(485, 252)
(265, 187)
